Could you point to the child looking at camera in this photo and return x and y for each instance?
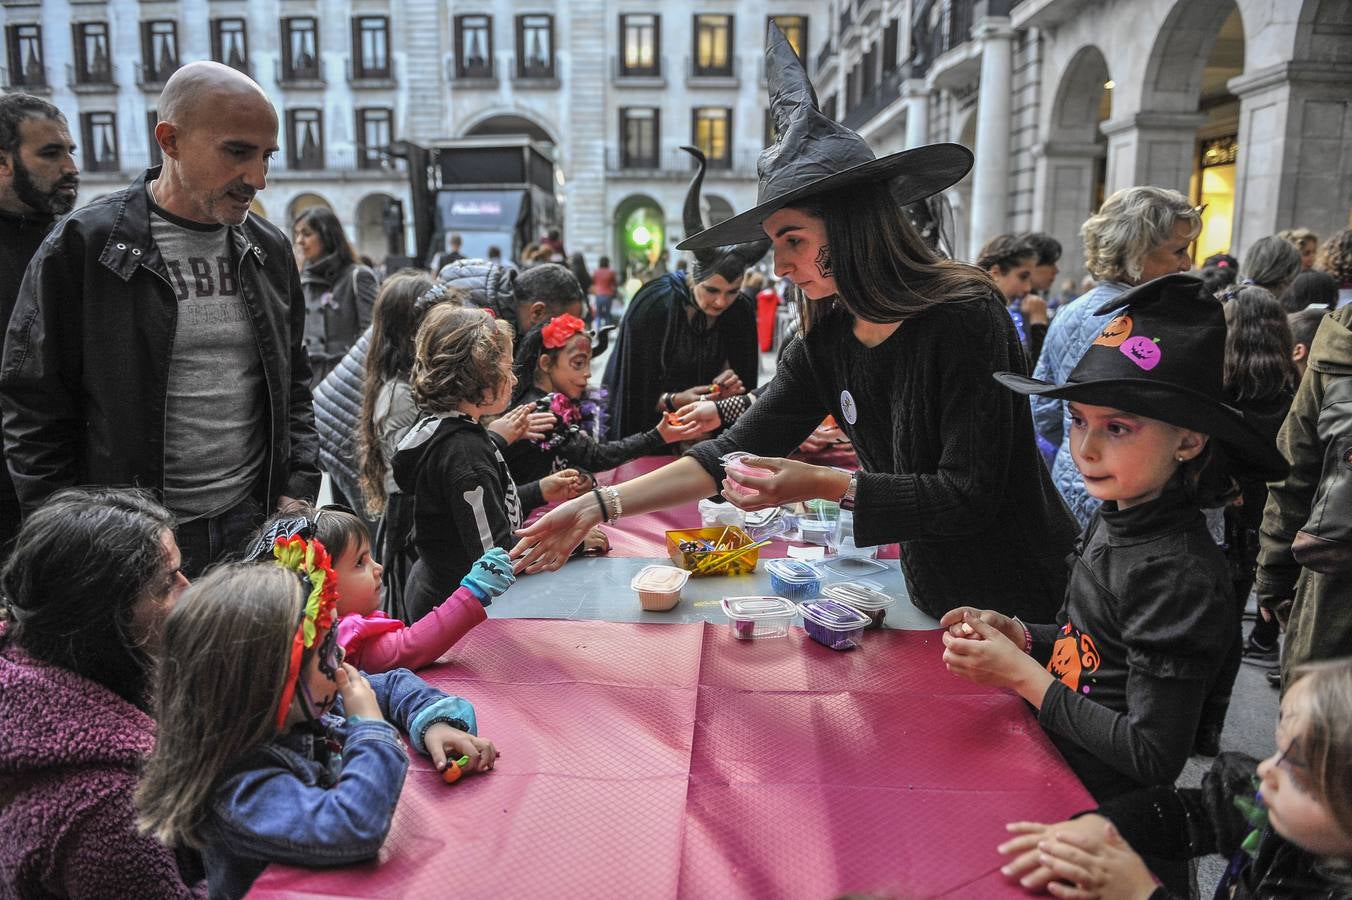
(1120, 678)
(1285, 822)
(371, 640)
(270, 748)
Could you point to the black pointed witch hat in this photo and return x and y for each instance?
(814, 155)
(731, 261)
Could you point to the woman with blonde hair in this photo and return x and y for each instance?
(1139, 234)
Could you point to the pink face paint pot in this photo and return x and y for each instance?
(734, 465)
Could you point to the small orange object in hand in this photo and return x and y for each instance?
(714, 390)
(454, 769)
(829, 422)
(674, 419)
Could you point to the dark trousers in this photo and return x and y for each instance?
(10, 514)
(224, 536)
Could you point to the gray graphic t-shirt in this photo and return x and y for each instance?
(215, 414)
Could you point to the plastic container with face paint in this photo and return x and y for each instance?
(752, 618)
(832, 623)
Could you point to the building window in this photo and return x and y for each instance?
(891, 35)
(98, 131)
(829, 108)
(795, 29)
(712, 133)
(305, 133)
(300, 50)
(474, 47)
(375, 132)
(713, 46)
(24, 43)
(639, 39)
(159, 51)
(639, 129)
(371, 47)
(535, 46)
(92, 65)
(153, 119)
(230, 43)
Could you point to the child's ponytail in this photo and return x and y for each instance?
(224, 664)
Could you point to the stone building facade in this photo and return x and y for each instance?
(1246, 105)
(612, 87)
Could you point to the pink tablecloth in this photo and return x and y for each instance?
(674, 761)
(645, 535)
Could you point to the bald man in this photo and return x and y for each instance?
(156, 341)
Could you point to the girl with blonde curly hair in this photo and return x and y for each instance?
(1335, 258)
(464, 500)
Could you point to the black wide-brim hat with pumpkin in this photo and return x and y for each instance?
(1163, 357)
(815, 155)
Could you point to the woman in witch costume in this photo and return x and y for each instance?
(553, 368)
(684, 333)
(899, 347)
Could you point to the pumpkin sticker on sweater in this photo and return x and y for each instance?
(1074, 656)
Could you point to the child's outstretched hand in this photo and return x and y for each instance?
(688, 422)
(444, 742)
(358, 698)
(564, 485)
(490, 576)
(982, 653)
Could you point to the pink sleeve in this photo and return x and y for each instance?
(427, 639)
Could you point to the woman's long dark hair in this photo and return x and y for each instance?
(79, 566)
(1258, 344)
(884, 271)
(389, 356)
(324, 223)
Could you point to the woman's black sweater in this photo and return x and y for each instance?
(949, 465)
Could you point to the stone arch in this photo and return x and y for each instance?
(303, 201)
(500, 122)
(1070, 168)
(632, 212)
(717, 209)
(1322, 28)
(372, 239)
(1182, 48)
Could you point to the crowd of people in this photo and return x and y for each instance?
(202, 672)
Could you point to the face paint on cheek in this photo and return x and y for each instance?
(823, 262)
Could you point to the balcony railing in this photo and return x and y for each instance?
(694, 74)
(620, 75)
(675, 163)
(939, 26)
(153, 77)
(476, 72)
(345, 159)
(359, 75)
(310, 75)
(876, 100)
(33, 81)
(102, 79)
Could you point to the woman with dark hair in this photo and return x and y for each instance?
(1010, 261)
(92, 578)
(687, 336)
(900, 347)
(1271, 263)
(339, 291)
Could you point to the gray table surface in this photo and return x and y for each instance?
(598, 588)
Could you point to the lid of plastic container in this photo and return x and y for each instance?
(858, 595)
(852, 565)
(757, 607)
(659, 578)
(833, 614)
(793, 571)
(734, 456)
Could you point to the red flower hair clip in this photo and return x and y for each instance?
(560, 329)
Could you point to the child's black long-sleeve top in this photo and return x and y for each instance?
(1177, 823)
(583, 449)
(1147, 621)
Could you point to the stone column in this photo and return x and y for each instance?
(990, 180)
(1295, 150)
(1154, 148)
(916, 97)
(585, 214)
(1063, 190)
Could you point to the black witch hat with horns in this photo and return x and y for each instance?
(814, 155)
(732, 261)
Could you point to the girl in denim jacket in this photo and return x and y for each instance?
(270, 747)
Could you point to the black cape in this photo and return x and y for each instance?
(658, 348)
